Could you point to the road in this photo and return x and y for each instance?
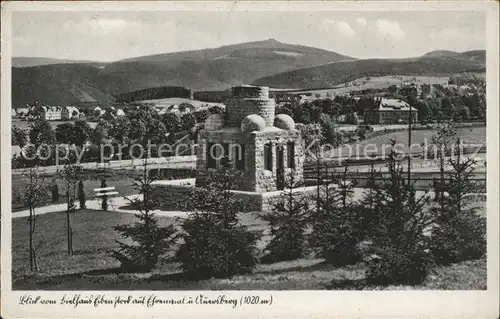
(96, 205)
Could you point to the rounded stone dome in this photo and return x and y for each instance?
(252, 122)
(284, 122)
(214, 122)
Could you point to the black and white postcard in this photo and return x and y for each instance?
(249, 159)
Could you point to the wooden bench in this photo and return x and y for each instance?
(108, 193)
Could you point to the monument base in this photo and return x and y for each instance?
(173, 194)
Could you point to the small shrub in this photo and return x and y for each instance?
(215, 244)
(399, 265)
(150, 241)
(336, 221)
(211, 250)
(104, 203)
(458, 239)
(81, 195)
(54, 191)
(459, 233)
(287, 222)
(336, 236)
(361, 132)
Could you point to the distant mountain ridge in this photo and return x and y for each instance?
(329, 75)
(479, 55)
(267, 62)
(209, 69)
(240, 50)
(23, 61)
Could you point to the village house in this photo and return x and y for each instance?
(390, 111)
(52, 113)
(161, 110)
(179, 109)
(22, 112)
(182, 108)
(70, 112)
(120, 112)
(97, 112)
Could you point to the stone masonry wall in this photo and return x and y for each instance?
(258, 92)
(265, 179)
(248, 100)
(231, 137)
(174, 197)
(255, 177)
(238, 109)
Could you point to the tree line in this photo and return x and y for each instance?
(153, 94)
(140, 124)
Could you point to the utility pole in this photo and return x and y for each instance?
(459, 169)
(319, 181)
(409, 146)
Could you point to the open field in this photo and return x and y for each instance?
(474, 135)
(92, 269)
(377, 82)
(93, 236)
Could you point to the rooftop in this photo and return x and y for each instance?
(393, 105)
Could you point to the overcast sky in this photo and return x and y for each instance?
(110, 36)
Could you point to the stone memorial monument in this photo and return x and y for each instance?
(261, 145)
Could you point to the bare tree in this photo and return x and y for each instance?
(442, 146)
(70, 175)
(461, 178)
(34, 195)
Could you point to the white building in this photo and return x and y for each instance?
(182, 108)
(97, 112)
(390, 111)
(70, 112)
(52, 113)
(22, 112)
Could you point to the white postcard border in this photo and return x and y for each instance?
(289, 304)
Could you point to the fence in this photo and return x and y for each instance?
(421, 180)
(378, 130)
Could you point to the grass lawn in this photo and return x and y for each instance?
(92, 269)
(473, 135)
(120, 179)
(377, 82)
(93, 236)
